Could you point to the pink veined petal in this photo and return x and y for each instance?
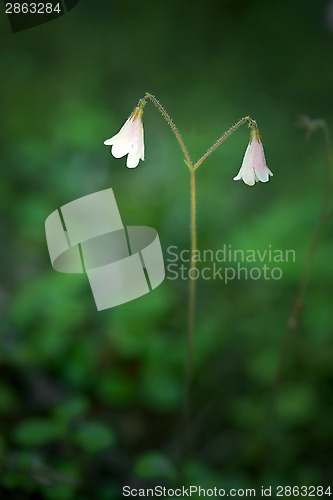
(137, 152)
(263, 175)
(263, 172)
(254, 166)
(259, 163)
(142, 144)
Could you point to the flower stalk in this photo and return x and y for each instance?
(252, 124)
(292, 322)
(173, 127)
(324, 214)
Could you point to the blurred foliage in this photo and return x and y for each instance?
(91, 401)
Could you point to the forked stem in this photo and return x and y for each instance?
(192, 283)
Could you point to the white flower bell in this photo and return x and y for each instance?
(129, 140)
(254, 166)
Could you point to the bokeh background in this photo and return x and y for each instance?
(91, 401)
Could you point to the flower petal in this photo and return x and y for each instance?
(259, 162)
(248, 176)
(121, 148)
(239, 175)
(129, 140)
(134, 156)
(248, 155)
(110, 141)
(254, 166)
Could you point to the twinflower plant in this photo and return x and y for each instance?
(129, 141)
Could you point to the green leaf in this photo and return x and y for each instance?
(154, 465)
(72, 409)
(59, 492)
(94, 436)
(118, 388)
(8, 399)
(37, 432)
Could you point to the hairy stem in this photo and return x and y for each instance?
(229, 132)
(191, 311)
(173, 127)
(190, 328)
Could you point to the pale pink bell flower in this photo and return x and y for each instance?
(254, 166)
(129, 140)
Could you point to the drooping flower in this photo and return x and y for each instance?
(254, 166)
(129, 140)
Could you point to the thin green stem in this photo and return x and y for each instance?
(193, 248)
(229, 132)
(190, 327)
(297, 305)
(191, 314)
(173, 127)
(323, 215)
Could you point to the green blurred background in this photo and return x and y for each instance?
(91, 401)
